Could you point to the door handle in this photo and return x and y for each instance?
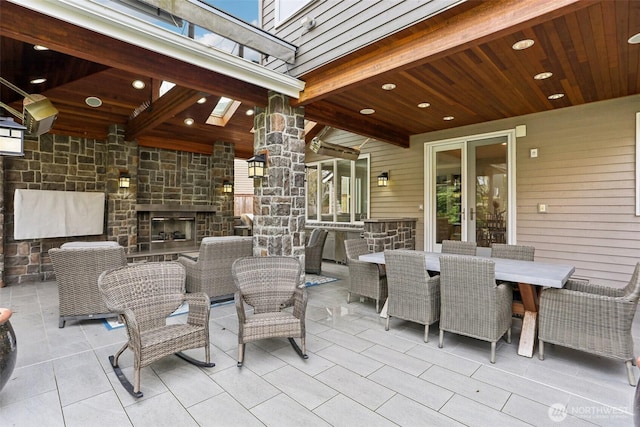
(471, 214)
(462, 214)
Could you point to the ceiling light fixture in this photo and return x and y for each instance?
(634, 39)
(367, 111)
(424, 105)
(138, 84)
(555, 96)
(543, 75)
(522, 44)
(93, 101)
(448, 118)
(202, 100)
(40, 47)
(189, 121)
(38, 81)
(388, 86)
(249, 112)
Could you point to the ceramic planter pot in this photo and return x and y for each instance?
(8, 347)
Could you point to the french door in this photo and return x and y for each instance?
(470, 190)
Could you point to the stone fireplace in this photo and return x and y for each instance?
(167, 227)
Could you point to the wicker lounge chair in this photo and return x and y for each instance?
(471, 302)
(144, 295)
(517, 252)
(458, 248)
(77, 266)
(365, 278)
(211, 273)
(313, 251)
(270, 285)
(413, 295)
(592, 318)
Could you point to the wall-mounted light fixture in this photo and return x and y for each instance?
(227, 187)
(258, 165)
(11, 137)
(383, 179)
(125, 179)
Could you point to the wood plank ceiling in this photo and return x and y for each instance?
(460, 62)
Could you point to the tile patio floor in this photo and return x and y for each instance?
(357, 374)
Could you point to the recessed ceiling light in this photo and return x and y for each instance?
(40, 47)
(249, 112)
(635, 39)
(424, 105)
(367, 111)
(189, 121)
(555, 96)
(202, 100)
(522, 44)
(38, 81)
(544, 75)
(93, 101)
(138, 84)
(388, 86)
(448, 118)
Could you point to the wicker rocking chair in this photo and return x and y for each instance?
(144, 295)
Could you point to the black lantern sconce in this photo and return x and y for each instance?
(124, 180)
(258, 165)
(383, 179)
(227, 187)
(11, 137)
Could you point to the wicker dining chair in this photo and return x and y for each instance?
(365, 278)
(471, 302)
(144, 295)
(77, 266)
(517, 252)
(211, 272)
(593, 318)
(270, 285)
(413, 294)
(313, 251)
(459, 248)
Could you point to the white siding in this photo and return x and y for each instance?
(343, 27)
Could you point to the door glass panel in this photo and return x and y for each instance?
(328, 192)
(361, 189)
(448, 195)
(343, 190)
(491, 195)
(312, 193)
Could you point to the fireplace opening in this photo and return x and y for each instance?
(172, 231)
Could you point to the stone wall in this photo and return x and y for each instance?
(64, 163)
(390, 233)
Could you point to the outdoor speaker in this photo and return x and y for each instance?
(38, 115)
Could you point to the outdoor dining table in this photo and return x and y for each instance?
(530, 276)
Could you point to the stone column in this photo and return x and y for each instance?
(122, 156)
(279, 202)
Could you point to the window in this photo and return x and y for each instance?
(338, 190)
(285, 9)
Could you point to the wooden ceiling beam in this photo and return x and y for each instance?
(341, 118)
(488, 21)
(31, 27)
(176, 100)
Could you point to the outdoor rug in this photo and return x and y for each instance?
(316, 279)
(183, 309)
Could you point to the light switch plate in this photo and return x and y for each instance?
(542, 208)
(533, 153)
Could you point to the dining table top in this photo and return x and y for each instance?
(532, 272)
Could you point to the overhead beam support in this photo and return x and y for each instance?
(225, 25)
(342, 118)
(488, 21)
(176, 100)
(97, 22)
